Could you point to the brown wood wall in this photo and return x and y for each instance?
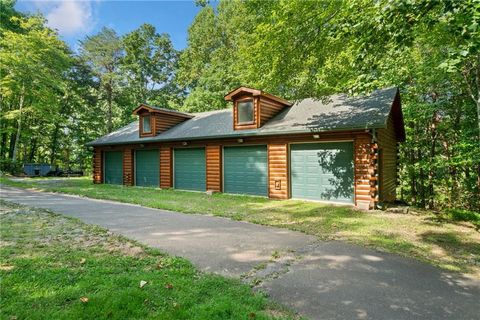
(166, 167)
(268, 109)
(128, 178)
(214, 167)
(387, 143)
(364, 165)
(163, 122)
(97, 166)
(278, 171)
(364, 160)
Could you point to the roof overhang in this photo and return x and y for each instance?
(161, 111)
(255, 92)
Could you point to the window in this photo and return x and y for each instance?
(146, 127)
(245, 112)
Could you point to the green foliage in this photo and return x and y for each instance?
(149, 66)
(463, 215)
(299, 49)
(53, 101)
(103, 53)
(209, 67)
(50, 262)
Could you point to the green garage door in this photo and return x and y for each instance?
(147, 168)
(113, 165)
(189, 169)
(245, 170)
(322, 171)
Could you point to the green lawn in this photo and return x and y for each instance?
(56, 267)
(453, 245)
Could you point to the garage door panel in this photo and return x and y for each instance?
(322, 171)
(147, 168)
(245, 170)
(113, 167)
(190, 169)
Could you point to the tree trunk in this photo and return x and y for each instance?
(33, 150)
(109, 89)
(19, 126)
(11, 145)
(431, 169)
(53, 147)
(3, 146)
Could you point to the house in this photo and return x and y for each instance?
(339, 149)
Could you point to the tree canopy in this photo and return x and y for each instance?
(54, 100)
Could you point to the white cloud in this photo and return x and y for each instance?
(69, 17)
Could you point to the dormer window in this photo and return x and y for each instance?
(146, 124)
(245, 112)
(252, 108)
(152, 121)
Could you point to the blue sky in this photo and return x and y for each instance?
(78, 18)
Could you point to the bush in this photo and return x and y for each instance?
(463, 215)
(9, 166)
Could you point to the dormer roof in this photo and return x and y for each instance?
(255, 92)
(161, 110)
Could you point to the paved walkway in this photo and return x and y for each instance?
(322, 280)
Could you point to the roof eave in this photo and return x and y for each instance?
(155, 110)
(239, 135)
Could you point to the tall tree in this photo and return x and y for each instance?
(33, 63)
(210, 65)
(103, 52)
(149, 67)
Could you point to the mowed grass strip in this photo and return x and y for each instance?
(56, 267)
(434, 238)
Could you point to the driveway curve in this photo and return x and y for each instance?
(321, 280)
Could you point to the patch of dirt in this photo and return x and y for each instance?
(126, 249)
(5, 267)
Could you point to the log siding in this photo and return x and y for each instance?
(128, 167)
(163, 122)
(278, 186)
(97, 166)
(268, 109)
(387, 142)
(213, 154)
(166, 167)
(366, 193)
(364, 171)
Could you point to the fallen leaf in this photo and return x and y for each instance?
(143, 283)
(169, 286)
(83, 260)
(84, 299)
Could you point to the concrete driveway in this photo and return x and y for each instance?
(321, 280)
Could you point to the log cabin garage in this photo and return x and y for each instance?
(338, 149)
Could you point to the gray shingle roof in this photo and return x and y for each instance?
(337, 112)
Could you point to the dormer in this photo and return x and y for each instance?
(252, 108)
(153, 120)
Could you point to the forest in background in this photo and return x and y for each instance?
(53, 100)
